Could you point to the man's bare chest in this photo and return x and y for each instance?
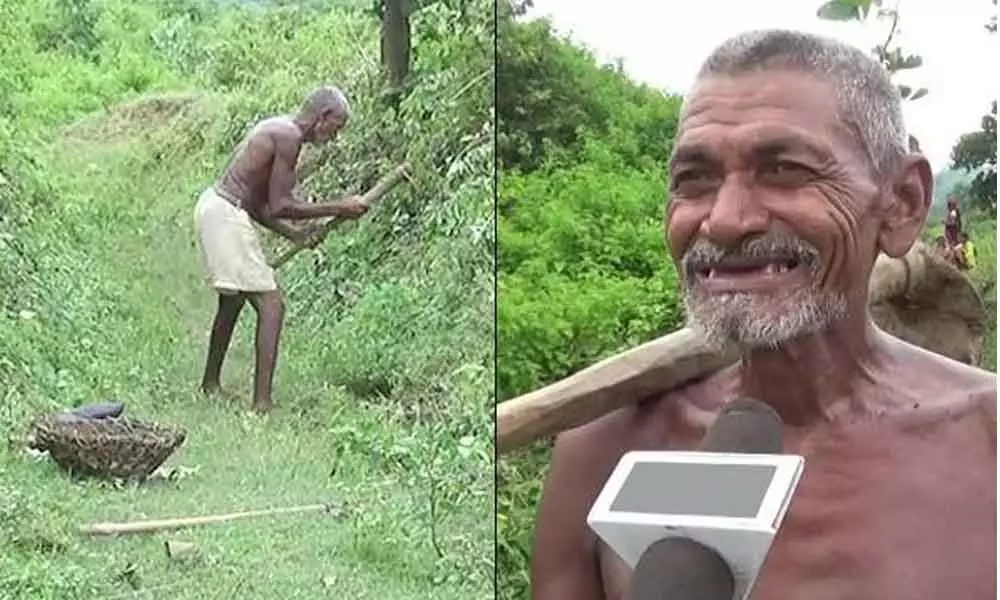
(903, 530)
(881, 517)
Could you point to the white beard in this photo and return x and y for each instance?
(752, 321)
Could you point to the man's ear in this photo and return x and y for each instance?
(906, 208)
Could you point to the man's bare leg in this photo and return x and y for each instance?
(226, 316)
(270, 307)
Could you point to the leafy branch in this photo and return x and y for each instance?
(893, 60)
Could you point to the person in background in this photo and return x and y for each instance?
(965, 254)
(952, 222)
(941, 247)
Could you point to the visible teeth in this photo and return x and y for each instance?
(768, 269)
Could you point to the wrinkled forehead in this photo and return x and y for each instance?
(736, 114)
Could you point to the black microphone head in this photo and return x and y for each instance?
(677, 568)
(745, 425)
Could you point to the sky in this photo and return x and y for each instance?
(663, 43)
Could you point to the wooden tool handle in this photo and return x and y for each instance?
(656, 367)
(381, 188)
(166, 524)
(665, 363)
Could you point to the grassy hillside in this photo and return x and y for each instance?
(583, 271)
(113, 116)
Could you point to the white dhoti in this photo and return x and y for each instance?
(230, 248)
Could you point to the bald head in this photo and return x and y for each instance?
(326, 100)
(868, 103)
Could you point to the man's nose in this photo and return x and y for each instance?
(735, 215)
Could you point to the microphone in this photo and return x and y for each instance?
(697, 525)
(680, 568)
(744, 425)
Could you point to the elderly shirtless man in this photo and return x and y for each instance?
(258, 186)
(789, 174)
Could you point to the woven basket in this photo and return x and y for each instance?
(120, 448)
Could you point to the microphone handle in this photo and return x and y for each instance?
(679, 568)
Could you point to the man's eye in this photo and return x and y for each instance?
(693, 183)
(784, 171)
(785, 167)
(687, 175)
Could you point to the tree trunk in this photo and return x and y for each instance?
(395, 42)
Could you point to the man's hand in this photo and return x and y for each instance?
(352, 207)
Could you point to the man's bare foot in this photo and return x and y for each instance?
(261, 408)
(211, 389)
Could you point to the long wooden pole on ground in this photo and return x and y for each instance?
(383, 187)
(655, 367)
(178, 523)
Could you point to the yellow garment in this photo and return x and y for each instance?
(969, 254)
(230, 249)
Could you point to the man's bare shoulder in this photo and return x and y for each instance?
(938, 389)
(280, 133)
(939, 378)
(651, 422)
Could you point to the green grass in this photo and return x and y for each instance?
(983, 231)
(242, 463)
(120, 113)
(130, 322)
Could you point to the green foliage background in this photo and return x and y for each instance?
(583, 267)
(114, 114)
(976, 154)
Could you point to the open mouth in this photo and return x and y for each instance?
(747, 267)
(746, 274)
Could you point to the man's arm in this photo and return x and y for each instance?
(283, 228)
(987, 401)
(281, 202)
(565, 562)
(280, 227)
